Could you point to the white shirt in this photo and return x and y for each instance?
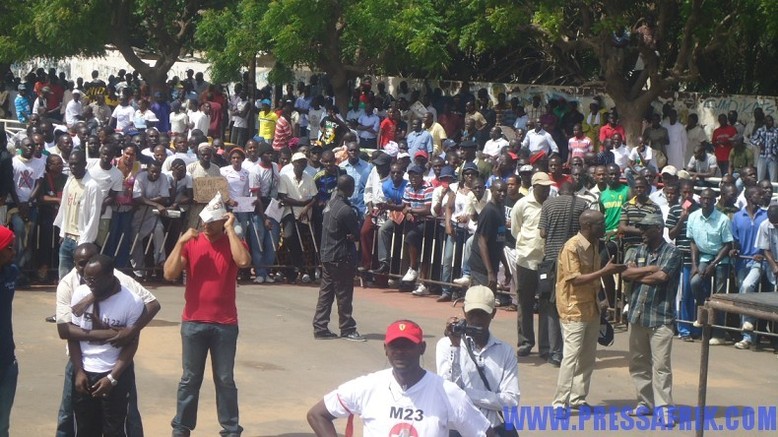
(178, 122)
(187, 158)
(648, 157)
(304, 189)
(72, 280)
(539, 141)
(26, 174)
(705, 165)
(124, 116)
(373, 122)
(498, 361)
(429, 408)
(621, 156)
(201, 121)
(264, 180)
(89, 206)
(108, 180)
(373, 190)
(676, 150)
(237, 119)
(117, 311)
(493, 147)
(237, 181)
(72, 111)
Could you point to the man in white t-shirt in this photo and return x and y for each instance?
(104, 374)
(74, 109)
(66, 330)
(110, 180)
(405, 400)
(496, 142)
(27, 178)
(297, 192)
(123, 114)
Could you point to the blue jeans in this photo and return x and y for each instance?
(22, 240)
(749, 276)
(466, 256)
(197, 340)
(8, 379)
(66, 427)
(121, 231)
(66, 258)
(701, 290)
(765, 166)
(267, 240)
(460, 235)
(688, 306)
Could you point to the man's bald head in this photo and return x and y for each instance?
(346, 185)
(83, 254)
(589, 217)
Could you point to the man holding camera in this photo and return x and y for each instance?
(485, 367)
(577, 288)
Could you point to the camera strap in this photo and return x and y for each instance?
(466, 345)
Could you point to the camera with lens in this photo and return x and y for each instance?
(461, 328)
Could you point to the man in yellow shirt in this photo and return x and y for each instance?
(267, 121)
(436, 131)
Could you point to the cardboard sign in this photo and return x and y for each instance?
(206, 187)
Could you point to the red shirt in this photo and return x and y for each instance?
(607, 131)
(211, 281)
(216, 119)
(722, 142)
(387, 131)
(565, 178)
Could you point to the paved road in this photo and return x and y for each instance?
(281, 370)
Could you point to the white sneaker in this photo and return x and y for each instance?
(625, 311)
(464, 281)
(269, 280)
(259, 280)
(306, 279)
(743, 344)
(410, 275)
(748, 326)
(421, 290)
(716, 341)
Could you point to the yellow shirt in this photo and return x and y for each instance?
(577, 303)
(438, 135)
(267, 124)
(75, 195)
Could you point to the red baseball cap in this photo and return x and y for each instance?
(404, 329)
(421, 153)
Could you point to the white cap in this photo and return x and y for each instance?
(299, 156)
(391, 148)
(479, 298)
(403, 155)
(214, 211)
(670, 169)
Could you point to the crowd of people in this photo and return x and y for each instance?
(546, 207)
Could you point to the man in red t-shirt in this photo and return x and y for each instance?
(722, 142)
(210, 319)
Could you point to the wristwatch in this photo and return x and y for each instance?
(112, 380)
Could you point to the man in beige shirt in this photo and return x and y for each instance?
(577, 287)
(525, 218)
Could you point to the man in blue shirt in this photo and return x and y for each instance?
(358, 169)
(711, 240)
(418, 139)
(9, 370)
(22, 104)
(749, 261)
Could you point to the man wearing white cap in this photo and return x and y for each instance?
(210, 318)
(297, 192)
(478, 362)
(74, 109)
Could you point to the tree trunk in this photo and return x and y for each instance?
(252, 87)
(339, 81)
(631, 117)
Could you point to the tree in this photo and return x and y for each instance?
(342, 38)
(589, 41)
(60, 28)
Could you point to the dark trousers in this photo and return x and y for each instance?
(367, 245)
(527, 286)
(337, 282)
(293, 243)
(549, 330)
(65, 423)
(103, 416)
